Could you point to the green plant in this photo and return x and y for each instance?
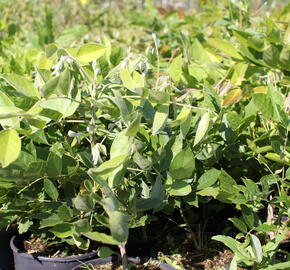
(167, 112)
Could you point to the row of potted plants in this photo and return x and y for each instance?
(98, 141)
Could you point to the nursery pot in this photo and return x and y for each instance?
(24, 261)
(101, 261)
(6, 255)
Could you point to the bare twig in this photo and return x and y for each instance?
(124, 256)
(193, 234)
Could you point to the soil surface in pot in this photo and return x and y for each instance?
(38, 246)
(185, 255)
(117, 266)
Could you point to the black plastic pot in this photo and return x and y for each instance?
(136, 260)
(6, 254)
(24, 261)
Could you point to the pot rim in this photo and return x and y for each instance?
(49, 259)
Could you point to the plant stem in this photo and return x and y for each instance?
(124, 256)
(193, 235)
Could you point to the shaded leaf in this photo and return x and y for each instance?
(84, 203)
(239, 224)
(182, 165)
(50, 189)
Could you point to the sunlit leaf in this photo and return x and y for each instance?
(90, 51)
(10, 145)
(202, 128)
(232, 97)
(160, 118)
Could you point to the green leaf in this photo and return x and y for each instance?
(39, 137)
(51, 221)
(197, 72)
(248, 216)
(5, 100)
(159, 97)
(227, 191)
(134, 126)
(119, 226)
(142, 162)
(122, 105)
(181, 117)
(24, 225)
(277, 158)
(198, 52)
(271, 55)
(202, 128)
(160, 118)
(121, 145)
(21, 85)
(110, 165)
(185, 126)
(182, 165)
(278, 266)
(102, 237)
(287, 174)
(105, 252)
(175, 69)
(257, 248)
(83, 226)
(271, 246)
(80, 242)
(84, 203)
(234, 120)
(239, 224)
(10, 145)
(234, 265)
(155, 199)
(111, 203)
(209, 192)
(225, 47)
(55, 108)
(234, 245)
(50, 189)
(239, 73)
(7, 107)
(179, 188)
(54, 165)
(63, 230)
(50, 50)
(64, 82)
(116, 176)
(132, 83)
(64, 212)
(265, 227)
(75, 94)
(89, 52)
(253, 55)
(50, 87)
(208, 179)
